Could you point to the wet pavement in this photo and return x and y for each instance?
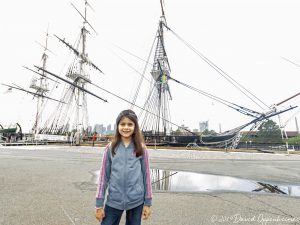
(178, 181)
(56, 185)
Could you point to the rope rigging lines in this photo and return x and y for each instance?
(240, 87)
(154, 101)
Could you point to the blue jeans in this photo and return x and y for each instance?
(113, 216)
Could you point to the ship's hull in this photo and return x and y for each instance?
(184, 140)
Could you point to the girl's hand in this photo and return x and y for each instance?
(100, 214)
(146, 212)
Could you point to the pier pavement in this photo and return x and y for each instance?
(55, 185)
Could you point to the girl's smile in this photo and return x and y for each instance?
(126, 128)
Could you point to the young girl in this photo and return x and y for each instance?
(125, 170)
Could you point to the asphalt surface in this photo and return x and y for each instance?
(55, 185)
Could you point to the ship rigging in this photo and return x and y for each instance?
(156, 114)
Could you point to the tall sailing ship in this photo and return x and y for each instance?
(155, 115)
(71, 111)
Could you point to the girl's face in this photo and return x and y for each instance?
(126, 127)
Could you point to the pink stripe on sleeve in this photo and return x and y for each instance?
(101, 177)
(149, 188)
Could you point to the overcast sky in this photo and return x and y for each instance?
(245, 38)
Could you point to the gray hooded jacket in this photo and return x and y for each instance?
(127, 178)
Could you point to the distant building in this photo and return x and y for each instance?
(103, 129)
(203, 126)
(109, 130)
(96, 128)
(184, 129)
(89, 129)
(195, 130)
(99, 128)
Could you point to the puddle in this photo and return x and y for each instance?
(178, 181)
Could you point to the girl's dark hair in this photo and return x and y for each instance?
(137, 136)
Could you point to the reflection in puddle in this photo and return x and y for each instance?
(177, 181)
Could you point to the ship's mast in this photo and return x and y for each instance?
(82, 120)
(40, 85)
(159, 96)
(74, 113)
